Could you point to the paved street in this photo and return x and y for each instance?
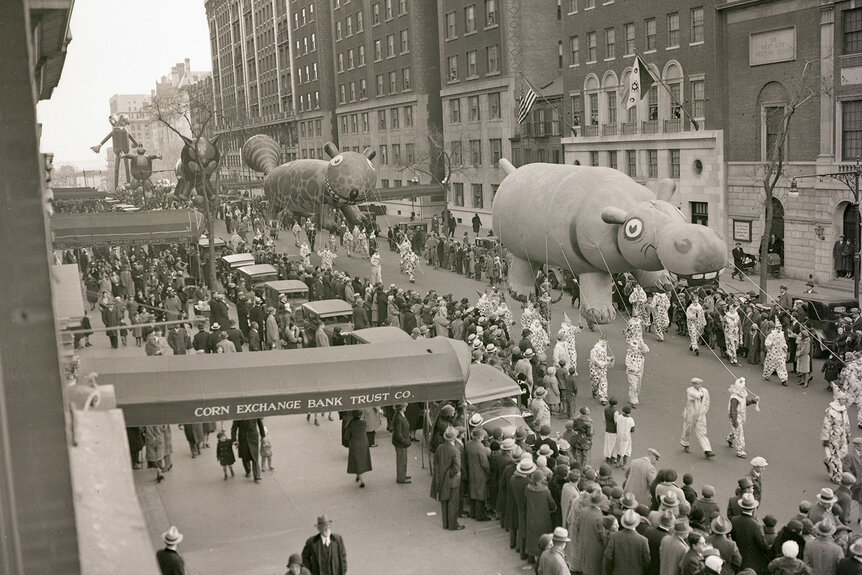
(236, 526)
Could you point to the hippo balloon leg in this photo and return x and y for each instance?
(599, 308)
(521, 278)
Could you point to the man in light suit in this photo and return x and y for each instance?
(324, 553)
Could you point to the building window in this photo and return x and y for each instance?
(699, 213)
(341, 62)
(490, 12)
(384, 155)
(492, 60)
(773, 120)
(388, 9)
(472, 69)
(393, 86)
(354, 122)
(610, 43)
(674, 164)
(384, 183)
(590, 4)
(390, 45)
(649, 29)
(344, 125)
(575, 50)
(473, 106)
(494, 106)
(496, 151)
(380, 91)
(402, 6)
(673, 29)
(698, 99)
(612, 159)
(475, 152)
(363, 89)
(676, 98)
(539, 122)
(450, 25)
(594, 109)
(396, 154)
(350, 62)
(394, 117)
(577, 110)
(365, 123)
(362, 55)
(353, 91)
(405, 79)
(455, 153)
(573, 6)
(630, 39)
(378, 50)
(381, 119)
(851, 129)
(612, 107)
(348, 25)
(631, 163)
(594, 158)
(453, 68)
(478, 200)
(409, 154)
(469, 19)
(338, 30)
(652, 103)
(405, 44)
(455, 111)
(408, 116)
(359, 26)
(375, 14)
(653, 164)
(852, 27)
(697, 24)
(591, 47)
(459, 194)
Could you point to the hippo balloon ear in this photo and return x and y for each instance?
(330, 149)
(369, 153)
(613, 215)
(666, 188)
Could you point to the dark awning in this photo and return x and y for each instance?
(216, 387)
(120, 228)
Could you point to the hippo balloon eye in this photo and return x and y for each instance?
(336, 160)
(634, 228)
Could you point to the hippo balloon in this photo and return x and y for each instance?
(596, 222)
(303, 186)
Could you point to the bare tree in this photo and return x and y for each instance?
(808, 87)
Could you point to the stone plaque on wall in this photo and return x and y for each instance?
(772, 46)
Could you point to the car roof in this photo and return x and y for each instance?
(383, 334)
(258, 269)
(827, 298)
(232, 258)
(328, 306)
(286, 285)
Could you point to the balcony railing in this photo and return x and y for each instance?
(629, 128)
(674, 125)
(591, 130)
(610, 130)
(649, 127)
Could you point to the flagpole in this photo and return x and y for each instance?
(542, 96)
(673, 98)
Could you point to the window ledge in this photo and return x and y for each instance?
(650, 51)
(573, 65)
(591, 62)
(611, 59)
(669, 48)
(699, 43)
(492, 26)
(497, 73)
(451, 38)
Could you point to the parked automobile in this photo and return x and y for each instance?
(382, 334)
(824, 311)
(295, 290)
(257, 274)
(332, 312)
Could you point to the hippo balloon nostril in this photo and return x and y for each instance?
(354, 193)
(683, 246)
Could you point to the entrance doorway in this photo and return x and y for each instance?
(777, 229)
(850, 223)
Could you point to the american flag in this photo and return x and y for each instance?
(528, 98)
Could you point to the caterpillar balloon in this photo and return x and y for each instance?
(303, 186)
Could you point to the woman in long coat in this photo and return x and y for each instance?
(540, 506)
(195, 436)
(358, 454)
(803, 358)
(247, 434)
(154, 437)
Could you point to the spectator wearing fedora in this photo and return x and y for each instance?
(673, 548)
(446, 484)
(852, 564)
(170, 562)
(553, 561)
(294, 566)
(744, 485)
(826, 499)
(517, 487)
(591, 535)
(748, 534)
(822, 554)
(655, 534)
(627, 551)
(401, 440)
(719, 539)
(478, 471)
(324, 553)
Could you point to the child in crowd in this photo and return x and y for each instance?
(266, 451)
(687, 489)
(224, 454)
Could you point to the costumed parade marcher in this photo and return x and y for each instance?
(635, 350)
(376, 274)
(696, 321)
(305, 254)
(600, 360)
(327, 257)
(565, 350)
(660, 319)
(776, 354)
(640, 309)
(740, 399)
(694, 416)
(731, 323)
(835, 435)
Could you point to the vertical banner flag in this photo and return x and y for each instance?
(528, 98)
(640, 81)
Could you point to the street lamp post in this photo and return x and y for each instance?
(849, 176)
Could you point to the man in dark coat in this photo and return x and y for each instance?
(199, 342)
(852, 564)
(627, 552)
(179, 340)
(748, 534)
(479, 469)
(654, 537)
(447, 479)
(235, 335)
(170, 562)
(401, 441)
(218, 310)
(247, 433)
(324, 553)
(518, 487)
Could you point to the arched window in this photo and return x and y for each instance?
(673, 78)
(609, 84)
(772, 103)
(591, 90)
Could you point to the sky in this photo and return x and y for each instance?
(118, 47)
